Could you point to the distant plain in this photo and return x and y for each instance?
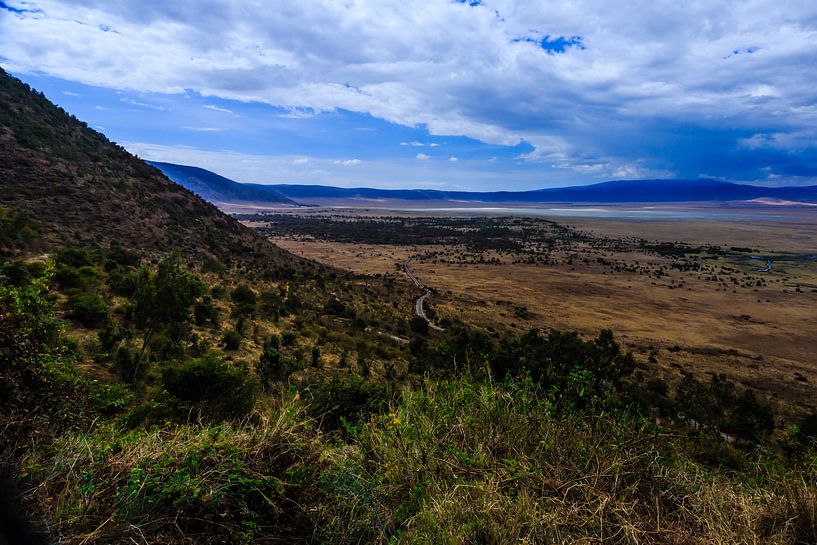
(759, 328)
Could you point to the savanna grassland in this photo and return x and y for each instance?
(686, 295)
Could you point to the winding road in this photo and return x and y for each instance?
(419, 310)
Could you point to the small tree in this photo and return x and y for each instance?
(163, 302)
(271, 367)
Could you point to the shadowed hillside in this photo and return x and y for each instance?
(218, 189)
(79, 187)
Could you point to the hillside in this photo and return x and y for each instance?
(79, 187)
(218, 189)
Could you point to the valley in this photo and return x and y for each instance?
(702, 303)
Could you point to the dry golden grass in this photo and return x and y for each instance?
(763, 338)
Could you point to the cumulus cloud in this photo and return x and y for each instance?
(453, 159)
(349, 162)
(422, 156)
(589, 85)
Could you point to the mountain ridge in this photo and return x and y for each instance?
(614, 191)
(81, 188)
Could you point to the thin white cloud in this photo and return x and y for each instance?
(218, 109)
(139, 104)
(453, 159)
(300, 161)
(417, 144)
(203, 129)
(422, 156)
(70, 93)
(349, 162)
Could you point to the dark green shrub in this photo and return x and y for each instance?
(126, 363)
(419, 325)
(89, 309)
(231, 339)
(75, 256)
(212, 386)
(244, 299)
(110, 335)
(205, 311)
(346, 399)
(271, 365)
(288, 338)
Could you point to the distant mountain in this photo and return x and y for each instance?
(78, 187)
(218, 189)
(620, 191)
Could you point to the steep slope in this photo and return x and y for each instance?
(218, 189)
(81, 188)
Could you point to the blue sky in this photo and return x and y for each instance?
(443, 94)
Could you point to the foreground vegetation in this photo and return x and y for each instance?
(151, 434)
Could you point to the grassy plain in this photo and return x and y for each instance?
(724, 316)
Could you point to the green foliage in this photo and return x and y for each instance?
(163, 302)
(718, 405)
(39, 386)
(16, 230)
(110, 335)
(231, 339)
(271, 366)
(244, 299)
(126, 362)
(205, 312)
(89, 309)
(346, 400)
(211, 386)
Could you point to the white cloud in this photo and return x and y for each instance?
(433, 145)
(70, 93)
(139, 104)
(300, 161)
(417, 144)
(202, 129)
(422, 156)
(349, 162)
(218, 109)
(453, 159)
(458, 70)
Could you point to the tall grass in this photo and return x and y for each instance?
(450, 462)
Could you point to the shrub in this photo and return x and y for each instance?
(271, 365)
(205, 311)
(419, 325)
(244, 299)
(231, 339)
(89, 309)
(212, 386)
(126, 362)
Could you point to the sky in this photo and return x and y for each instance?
(448, 94)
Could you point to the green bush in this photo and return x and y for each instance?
(89, 309)
(205, 311)
(231, 339)
(211, 386)
(245, 300)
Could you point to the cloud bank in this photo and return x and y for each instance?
(597, 88)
